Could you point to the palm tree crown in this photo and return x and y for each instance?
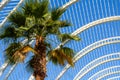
(35, 21)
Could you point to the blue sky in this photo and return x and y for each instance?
(80, 13)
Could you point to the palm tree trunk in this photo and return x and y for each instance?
(40, 59)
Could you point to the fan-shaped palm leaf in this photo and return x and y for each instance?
(16, 52)
(17, 18)
(57, 13)
(61, 55)
(64, 37)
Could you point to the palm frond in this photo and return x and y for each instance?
(64, 37)
(17, 18)
(16, 52)
(56, 13)
(11, 49)
(62, 23)
(60, 55)
(28, 7)
(10, 32)
(35, 8)
(41, 9)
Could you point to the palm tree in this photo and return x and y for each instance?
(35, 21)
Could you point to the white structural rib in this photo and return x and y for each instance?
(3, 3)
(114, 78)
(11, 13)
(11, 69)
(68, 4)
(95, 63)
(89, 48)
(3, 67)
(92, 24)
(105, 72)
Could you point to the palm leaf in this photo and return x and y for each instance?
(28, 7)
(64, 37)
(62, 23)
(35, 8)
(60, 55)
(11, 49)
(11, 33)
(41, 8)
(16, 52)
(17, 18)
(56, 13)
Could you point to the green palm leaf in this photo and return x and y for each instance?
(17, 18)
(64, 37)
(16, 52)
(11, 33)
(61, 55)
(57, 13)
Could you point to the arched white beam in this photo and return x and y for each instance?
(95, 63)
(68, 4)
(113, 18)
(94, 23)
(105, 72)
(3, 3)
(114, 78)
(11, 69)
(89, 48)
(11, 13)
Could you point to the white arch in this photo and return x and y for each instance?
(105, 72)
(108, 19)
(11, 13)
(114, 78)
(94, 23)
(3, 3)
(95, 63)
(89, 48)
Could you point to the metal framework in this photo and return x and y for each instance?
(105, 72)
(88, 49)
(95, 63)
(7, 62)
(81, 29)
(114, 78)
(11, 13)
